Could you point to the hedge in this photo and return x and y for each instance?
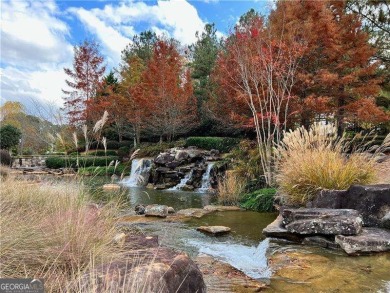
(223, 144)
(71, 162)
(101, 171)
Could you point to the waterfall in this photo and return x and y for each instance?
(140, 171)
(182, 181)
(205, 183)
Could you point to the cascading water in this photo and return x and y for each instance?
(205, 183)
(140, 171)
(182, 181)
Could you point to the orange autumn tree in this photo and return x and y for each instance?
(84, 79)
(109, 98)
(168, 100)
(256, 73)
(337, 75)
(135, 58)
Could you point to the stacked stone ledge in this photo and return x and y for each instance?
(355, 220)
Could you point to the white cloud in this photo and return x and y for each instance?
(43, 84)
(177, 18)
(34, 49)
(113, 41)
(31, 32)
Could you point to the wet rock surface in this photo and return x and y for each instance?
(310, 270)
(370, 240)
(221, 277)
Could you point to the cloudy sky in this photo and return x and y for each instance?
(37, 38)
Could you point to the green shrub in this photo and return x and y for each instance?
(9, 136)
(126, 143)
(112, 145)
(102, 153)
(152, 150)
(71, 162)
(223, 144)
(123, 151)
(5, 158)
(259, 200)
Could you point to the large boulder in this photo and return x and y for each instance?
(156, 210)
(370, 240)
(144, 267)
(372, 201)
(322, 221)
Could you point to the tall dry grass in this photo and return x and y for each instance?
(230, 188)
(52, 232)
(314, 159)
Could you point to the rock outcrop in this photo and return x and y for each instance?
(371, 201)
(184, 169)
(329, 228)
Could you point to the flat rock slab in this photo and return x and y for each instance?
(195, 212)
(370, 240)
(156, 210)
(276, 230)
(322, 221)
(215, 230)
(219, 208)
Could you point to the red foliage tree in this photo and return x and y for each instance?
(256, 73)
(87, 73)
(168, 100)
(337, 70)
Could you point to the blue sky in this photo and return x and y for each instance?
(37, 38)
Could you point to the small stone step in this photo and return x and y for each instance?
(370, 240)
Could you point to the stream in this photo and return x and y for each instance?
(285, 267)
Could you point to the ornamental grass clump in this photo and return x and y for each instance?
(315, 159)
(230, 188)
(52, 232)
